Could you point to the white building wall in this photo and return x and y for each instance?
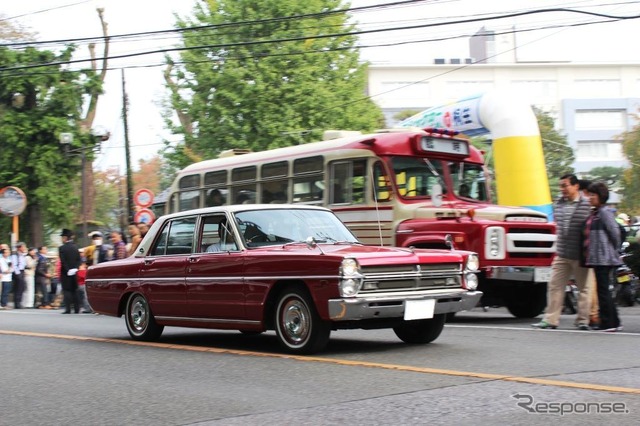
(562, 89)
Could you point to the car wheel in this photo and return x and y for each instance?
(140, 321)
(298, 326)
(420, 331)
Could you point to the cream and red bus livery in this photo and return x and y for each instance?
(403, 187)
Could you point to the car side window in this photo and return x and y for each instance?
(176, 237)
(216, 235)
(160, 246)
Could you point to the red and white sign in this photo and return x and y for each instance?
(144, 216)
(143, 198)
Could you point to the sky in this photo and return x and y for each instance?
(67, 19)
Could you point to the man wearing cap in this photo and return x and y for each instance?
(97, 252)
(69, 264)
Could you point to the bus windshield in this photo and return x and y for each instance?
(469, 180)
(415, 176)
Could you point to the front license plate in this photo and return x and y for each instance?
(419, 309)
(541, 275)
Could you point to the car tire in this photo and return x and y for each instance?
(420, 331)
(141, 324)
(299, 328)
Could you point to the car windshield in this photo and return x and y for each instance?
(277, 226)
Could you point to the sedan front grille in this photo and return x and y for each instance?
(410, 277)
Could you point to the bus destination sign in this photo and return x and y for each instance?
(444, 146)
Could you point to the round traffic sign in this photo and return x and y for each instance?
(144, 216)
(12, 201)
(143, 198)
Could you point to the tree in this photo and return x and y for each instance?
(631, 176)
(36, 106)
(405, 113)
(247, 90)
(34, 109)
(610, 175)
(149, 175)
(13, 32)
(558, 155)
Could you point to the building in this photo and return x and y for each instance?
(592, 103)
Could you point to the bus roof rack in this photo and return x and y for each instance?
(233, 152)
(337, 134)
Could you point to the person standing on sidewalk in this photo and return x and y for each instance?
(69, 264)
(570, 211)
(19, 262)
(42, 277)
(5, 271)
(601, 251)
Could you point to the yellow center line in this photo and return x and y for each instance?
(407, 368)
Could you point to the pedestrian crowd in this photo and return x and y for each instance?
(32, 279)
(589, 244)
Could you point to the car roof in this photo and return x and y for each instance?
(235, 208)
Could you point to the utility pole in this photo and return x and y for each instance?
(127, 153)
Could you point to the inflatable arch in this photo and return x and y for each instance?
(520, 172)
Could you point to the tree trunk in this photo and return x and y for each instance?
(34, 225)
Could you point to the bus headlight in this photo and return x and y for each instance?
(350, 277)
(494, 243)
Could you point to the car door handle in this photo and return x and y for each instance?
(193, 259)
(148, 261)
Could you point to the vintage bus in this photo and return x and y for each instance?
(420, 188)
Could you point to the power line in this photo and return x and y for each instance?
(45, 10)
(336, 49)
(223, 25)
(322, 36)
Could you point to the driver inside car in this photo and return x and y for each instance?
(226, 243)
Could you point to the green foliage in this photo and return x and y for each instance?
(35, 108)
(631, 176)
(272, 94)
(612, 176)
(406, 113)
(558, 155)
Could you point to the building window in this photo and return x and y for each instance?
(599, 150)
(600, 120)
(459, 89)
(536, 89)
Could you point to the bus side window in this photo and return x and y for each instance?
(348, 182)
(382, 189)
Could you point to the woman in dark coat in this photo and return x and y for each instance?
(601, 243)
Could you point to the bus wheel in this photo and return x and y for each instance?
(420, 331)
(299, 328)
(527, 303)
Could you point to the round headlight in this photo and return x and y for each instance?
(471, 281)
(349, 267)
(349, 287)
(473, 262)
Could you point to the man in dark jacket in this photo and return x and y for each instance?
(69, 264)
(570, 211)
(42, 277)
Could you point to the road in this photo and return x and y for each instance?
(486, 367)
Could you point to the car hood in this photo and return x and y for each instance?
(482, 212)
(369, 255)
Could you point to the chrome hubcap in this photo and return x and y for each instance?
(139, 314)
(295, 321)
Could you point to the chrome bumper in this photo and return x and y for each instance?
(519, 273)
(392, 306)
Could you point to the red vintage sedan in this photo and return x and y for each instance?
(294, 269)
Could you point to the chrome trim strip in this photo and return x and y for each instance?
(207, 320)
